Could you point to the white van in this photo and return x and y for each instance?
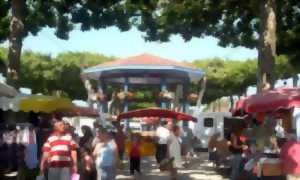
(208, 124)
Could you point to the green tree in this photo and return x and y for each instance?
(249, 23)
(226, 77)
(45, 74)
(18, 18)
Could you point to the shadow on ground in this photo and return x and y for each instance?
(198, 169)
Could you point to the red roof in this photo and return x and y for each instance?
(144, 59)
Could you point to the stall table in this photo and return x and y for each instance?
(147, 143)
(269, 168)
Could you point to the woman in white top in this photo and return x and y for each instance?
(174, 150)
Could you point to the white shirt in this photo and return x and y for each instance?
(174, 150)
(279, 131)
(163, 135)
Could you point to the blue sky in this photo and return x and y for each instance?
(112, 42)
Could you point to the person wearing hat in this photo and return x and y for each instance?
(106, 154)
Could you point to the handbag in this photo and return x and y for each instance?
(75, 176)
(212, 156)
(166, 164)
(40, 177)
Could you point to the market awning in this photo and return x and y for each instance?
(78, 111)
(283, 98)
(157, 112)
(8, 91)
(7, 103)
(41, 103)
(35, 103)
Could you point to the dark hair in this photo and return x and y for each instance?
(11, 127)
(57, 117)
(164, 122)
(175, 128)
(102, 130)
(88, 131)
(86, 149)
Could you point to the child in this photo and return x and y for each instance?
(135, 155)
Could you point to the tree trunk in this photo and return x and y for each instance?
(267, 45)
(295, 80)
(201, 92)
(231, 101)
(214, 106)
(15, 41)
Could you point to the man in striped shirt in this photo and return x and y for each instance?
(59, 154)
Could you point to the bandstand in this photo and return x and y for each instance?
(143, 70)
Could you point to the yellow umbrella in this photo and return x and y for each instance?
(41, 103)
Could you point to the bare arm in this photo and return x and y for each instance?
(97, 149)
(115, 149)
(234, 142)
(44, 161)
(74, 160)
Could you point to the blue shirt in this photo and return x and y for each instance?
(106, 156)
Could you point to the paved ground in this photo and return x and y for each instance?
(198, 169)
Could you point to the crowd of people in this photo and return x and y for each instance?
(59, 153)
(95, 155)
(100, 153)
(249, 145)
(172, 144)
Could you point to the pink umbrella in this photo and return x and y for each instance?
(283, 98)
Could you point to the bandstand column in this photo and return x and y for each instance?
(126, 88)
(102, 104)
(163, 87)
(185, 103)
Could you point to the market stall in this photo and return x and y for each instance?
(35, 103)
(273, 111)
(152, 116)
(42, 103)
(27, 118)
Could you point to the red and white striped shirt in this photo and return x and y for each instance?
(59, 147)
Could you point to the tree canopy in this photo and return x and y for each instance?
(18, 18)
(65, 15)
(226, 77)
(234, 23)
(45, 74)
(267, 25)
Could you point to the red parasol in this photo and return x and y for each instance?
(150, 120)
(283, 98)
(157, 112)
